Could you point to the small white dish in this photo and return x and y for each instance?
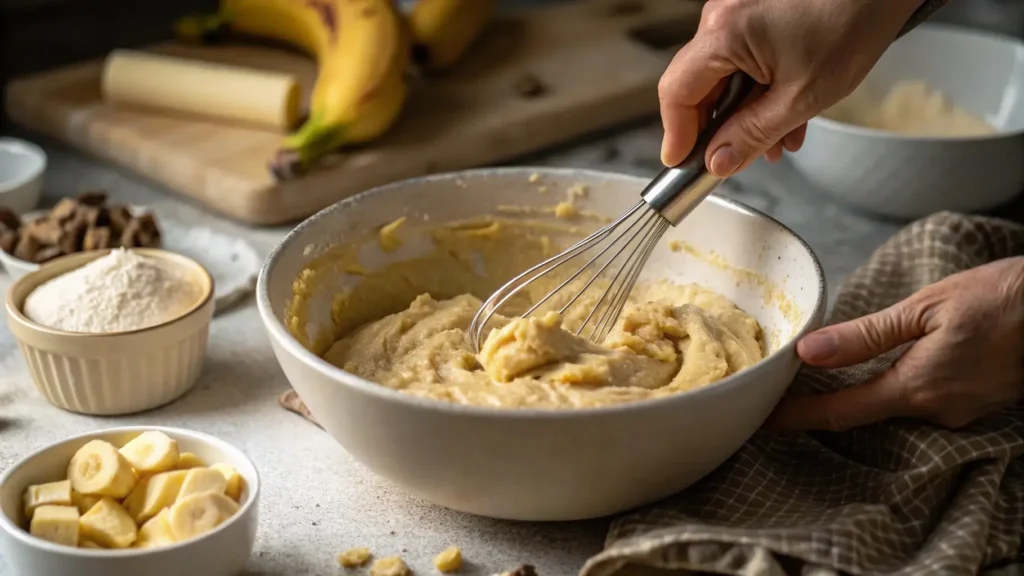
(221, 552)
(906, 177)
(21, 174)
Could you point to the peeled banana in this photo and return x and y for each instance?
(444, 29)
(362, 48)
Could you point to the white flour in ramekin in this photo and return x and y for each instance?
(118, 292)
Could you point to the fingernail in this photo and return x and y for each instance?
(664, 154)
(819, 346)
(725, 161)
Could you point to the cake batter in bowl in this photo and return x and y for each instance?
(532, 455)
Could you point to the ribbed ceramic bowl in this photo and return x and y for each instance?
(223, 551)
(906, 177)
(120, 372)
(549, 464)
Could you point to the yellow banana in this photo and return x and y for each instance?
(444, 29)
(362, 51)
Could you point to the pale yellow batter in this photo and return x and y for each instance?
(912, 108)
(670, 338)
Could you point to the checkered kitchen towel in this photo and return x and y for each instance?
(901, 497)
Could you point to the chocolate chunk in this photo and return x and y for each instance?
(148, 223)
(9, 219)
(95, 216)
(96, 238)
(8, 240)
(92, 197)
(72, 235)
(65, 210)
(529, 86)
(119, 218)
(129, 237)
(523, 570)
(26, 248)
(45, 230)
(46, 254)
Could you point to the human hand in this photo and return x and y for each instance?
(808, 53)
(967, 361)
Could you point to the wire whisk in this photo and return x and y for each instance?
(616, 254)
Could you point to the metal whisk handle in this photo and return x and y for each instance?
(676, 191)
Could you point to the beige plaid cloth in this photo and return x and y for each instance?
(899, 497)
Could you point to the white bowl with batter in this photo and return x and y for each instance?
(547, 464)
(910, 176)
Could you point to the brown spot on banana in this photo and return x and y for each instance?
(325, 9)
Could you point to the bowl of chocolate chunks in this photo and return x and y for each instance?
(75, 224)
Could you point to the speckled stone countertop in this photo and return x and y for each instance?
(316, 500)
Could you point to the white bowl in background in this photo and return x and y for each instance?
(21, 174)
(906, 177)
(534, 464)
(223, 551)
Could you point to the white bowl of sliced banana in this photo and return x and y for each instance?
(129, 501)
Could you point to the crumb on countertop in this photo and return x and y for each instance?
(449, 560)
(390, 566)
(354, 557)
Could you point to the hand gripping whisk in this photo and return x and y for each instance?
(621, 249)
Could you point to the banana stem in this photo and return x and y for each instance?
(202, 27)
(312, 141)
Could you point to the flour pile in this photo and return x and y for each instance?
(118, 292)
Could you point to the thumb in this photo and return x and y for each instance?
(861, 339)
(752, 130)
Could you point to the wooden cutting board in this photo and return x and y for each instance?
(600, 61)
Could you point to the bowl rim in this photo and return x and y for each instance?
(16, 315)
(29, 149)
(279, 332)
(934, 28)
(24, 537)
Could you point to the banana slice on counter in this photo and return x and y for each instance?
(151, 452)
(153, 494)
(51, 493)
(156, 531)
(99, 469)
(108, 524)
(199, 513)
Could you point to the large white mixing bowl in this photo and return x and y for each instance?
(547, 464)
(913, 176)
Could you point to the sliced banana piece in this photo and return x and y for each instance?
(108, 524)
(156, 531)
(151, 452)
(235, 483)
(83, 543)
(197, 514)
(153, 494)
(199, 480)
(188, 460)
(51, 493)
(99, 469)
(57, 524)
(84, 502)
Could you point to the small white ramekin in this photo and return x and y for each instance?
(113, 373)
(222, 551)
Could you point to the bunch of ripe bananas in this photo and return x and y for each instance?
(364, 51)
